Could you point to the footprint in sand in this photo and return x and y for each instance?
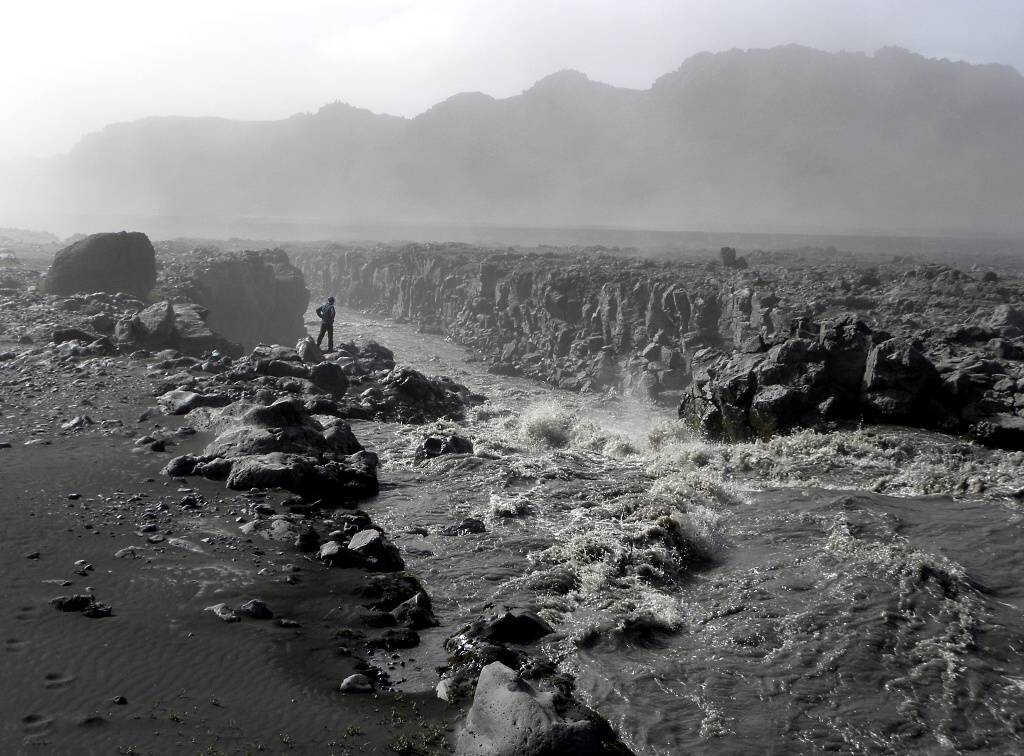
(56, 681)
(14, 646)
(36, 725)
(27, 613)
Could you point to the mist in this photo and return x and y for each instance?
(788, 139)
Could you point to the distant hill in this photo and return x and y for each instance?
(783, 138)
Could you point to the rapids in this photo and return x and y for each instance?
(857, 592)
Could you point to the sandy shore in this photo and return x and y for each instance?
(161, 674)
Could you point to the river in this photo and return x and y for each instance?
(857, 592)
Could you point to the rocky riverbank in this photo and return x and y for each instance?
(898, 340)
(196, 505)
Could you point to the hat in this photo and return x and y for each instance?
(330, 299)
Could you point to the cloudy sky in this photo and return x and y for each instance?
(69, 67)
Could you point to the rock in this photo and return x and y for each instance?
(509, 717)
(73, 334)
(75, 603)
(333, 554)
(84, 603)
(1007, 315)
(393, 639)
(179, 466)
(110, 262)
(308, 351)
(195, 336)
(182, 402)
(374, 544)
(330, 377)
(468, 525)
(224, 612)
(896, 376)
(516, 625)
(250, 296)
(179, 326)
(257, 609)
(1001, 431)
(356, 684)
(154, 326)
(434, 447)
(385, 591)
(415, 613)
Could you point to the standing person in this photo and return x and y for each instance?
(326, 313)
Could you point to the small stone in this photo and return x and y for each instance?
(258, 609)
(224, 612)
(356, 684)
(119, 700)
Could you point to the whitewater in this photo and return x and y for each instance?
(854, 592)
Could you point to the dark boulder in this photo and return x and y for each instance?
(374, 544)
(111, 262)
(416, 613)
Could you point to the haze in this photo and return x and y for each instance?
(70, 68)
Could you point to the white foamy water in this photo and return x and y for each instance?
(856, 592)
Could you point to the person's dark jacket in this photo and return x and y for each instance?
(326, 312)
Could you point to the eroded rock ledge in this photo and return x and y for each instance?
(745, 351)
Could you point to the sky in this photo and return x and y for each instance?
(70, 67)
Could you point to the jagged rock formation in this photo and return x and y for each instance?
(171, 326)
(788, 342)
(840, 369)
(110, 262)
(576, 321)
(251, 296)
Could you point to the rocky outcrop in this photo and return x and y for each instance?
(110, 262)
(831, 371)
(182, 327)
(281, 445)
(251, 297)
(793, 339)
(577, 321)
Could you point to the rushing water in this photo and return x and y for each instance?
(857, 592)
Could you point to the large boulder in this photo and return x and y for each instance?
(111, 262)
(509, 717)
(281, 446)
(252, 296)
(181, 327)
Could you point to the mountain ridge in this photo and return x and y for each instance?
(782, 136)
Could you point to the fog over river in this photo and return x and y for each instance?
(853, 592)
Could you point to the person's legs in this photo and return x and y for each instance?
(330, 337)
(325, 328)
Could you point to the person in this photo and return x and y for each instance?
(326, 313)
